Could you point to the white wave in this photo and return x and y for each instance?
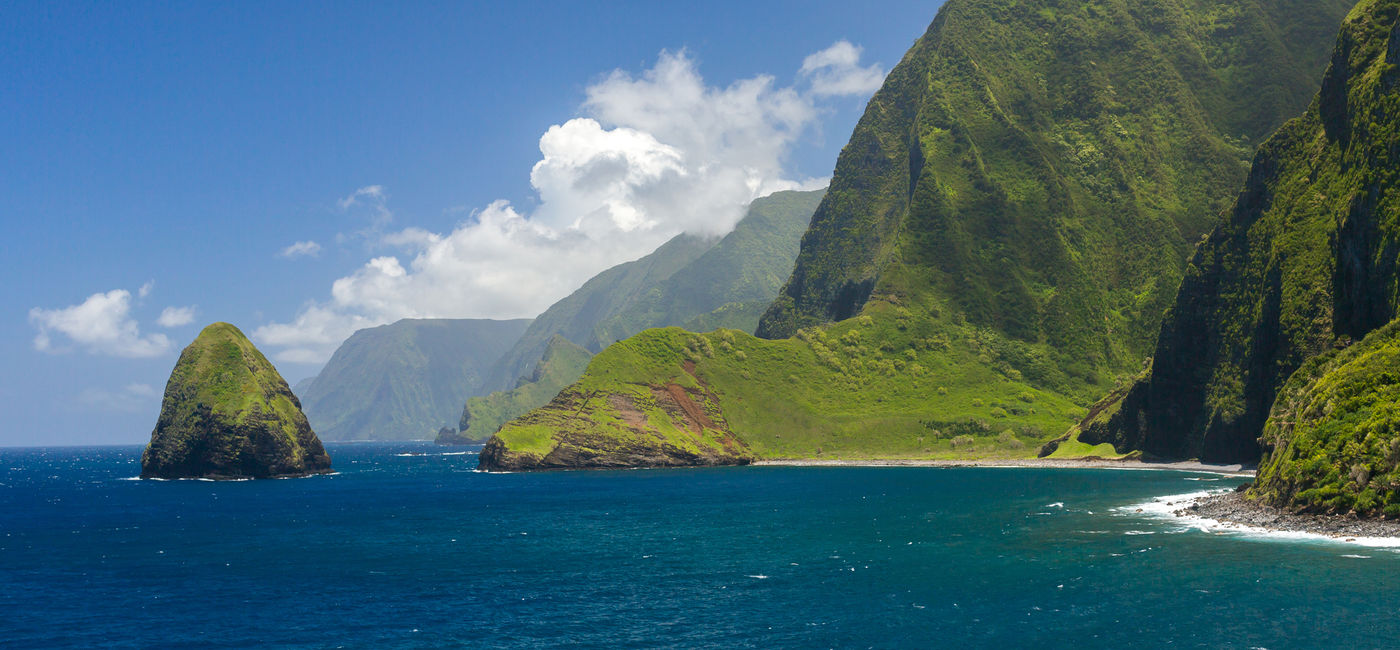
(412, 454)
(1359, 557)
(758, 576)
(1057, 504)
(1165, 508)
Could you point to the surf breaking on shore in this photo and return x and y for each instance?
(1227, 512)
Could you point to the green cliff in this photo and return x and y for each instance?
(1332, 440)
(1004, 230)
(405, 380)
(1308, 257)
(689, 281)
(228, 414)
(562, 364)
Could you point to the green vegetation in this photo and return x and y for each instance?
(562, 365)
(228, 413)
(699, 283)
(1010, 219)
(852, 390)
(406, 380)
(1307, 257)
(1333, 437)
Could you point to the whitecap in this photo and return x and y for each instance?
(1057, 504)
(759, 576)
(1165, 508)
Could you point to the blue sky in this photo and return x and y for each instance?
(163, 161)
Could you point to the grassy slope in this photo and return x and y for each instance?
(689, 280)
(575, 316)
(220, 385)
(1334, 432)
(1010, 217)
(405, 380)
(1308, 255)
(562, 364)
(867, 387)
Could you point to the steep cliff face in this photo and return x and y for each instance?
(689, 281)
(227, 413)
(1309, 255)
(405, 380)
(1043, 168)
(1332, 440)
(1007, 225)
(562, 364)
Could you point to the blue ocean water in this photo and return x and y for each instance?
(402, 550)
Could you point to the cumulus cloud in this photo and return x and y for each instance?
(837, 71)
(102, 324)
(652, 156)
(175, 316)
(132, 398)
(301, 249)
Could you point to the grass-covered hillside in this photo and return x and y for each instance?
(406, 380)
(1310, 255)
(688, 281)
(1332, 440)
(884, 385)
(562, 364)
(228, 413)
(1043, 168)
(1004, 230)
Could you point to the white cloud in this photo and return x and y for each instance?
(301, 249)
(102, 324)
(653, 156)
(145, 289)
(373, 194)
(132, 398)
(836, 71)
(176, 316)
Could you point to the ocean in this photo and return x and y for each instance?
(407, 546)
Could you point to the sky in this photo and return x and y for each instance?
(306, 169)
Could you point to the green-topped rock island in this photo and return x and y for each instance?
(228, 414)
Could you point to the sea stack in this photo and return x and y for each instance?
(228, 414)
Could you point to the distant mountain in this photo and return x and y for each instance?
(561, 365)
(689, 281)
(302, 386)
(1000, 241)
(405, 380)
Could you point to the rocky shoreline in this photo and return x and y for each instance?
(1057, 463)
(1233, 508)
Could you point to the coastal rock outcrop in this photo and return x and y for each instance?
(228, 414)
(1332, 440)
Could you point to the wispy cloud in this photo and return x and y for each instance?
(176, 316)
(301, 249)
(837, 71)
(102, 324)
(652, 156)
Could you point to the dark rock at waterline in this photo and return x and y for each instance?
(1234, 508)
(228, 414)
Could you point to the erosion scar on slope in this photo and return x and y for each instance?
(693, 412)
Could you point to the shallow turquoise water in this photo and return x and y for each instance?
(414, 551)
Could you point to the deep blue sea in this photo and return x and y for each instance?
(400, 550)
